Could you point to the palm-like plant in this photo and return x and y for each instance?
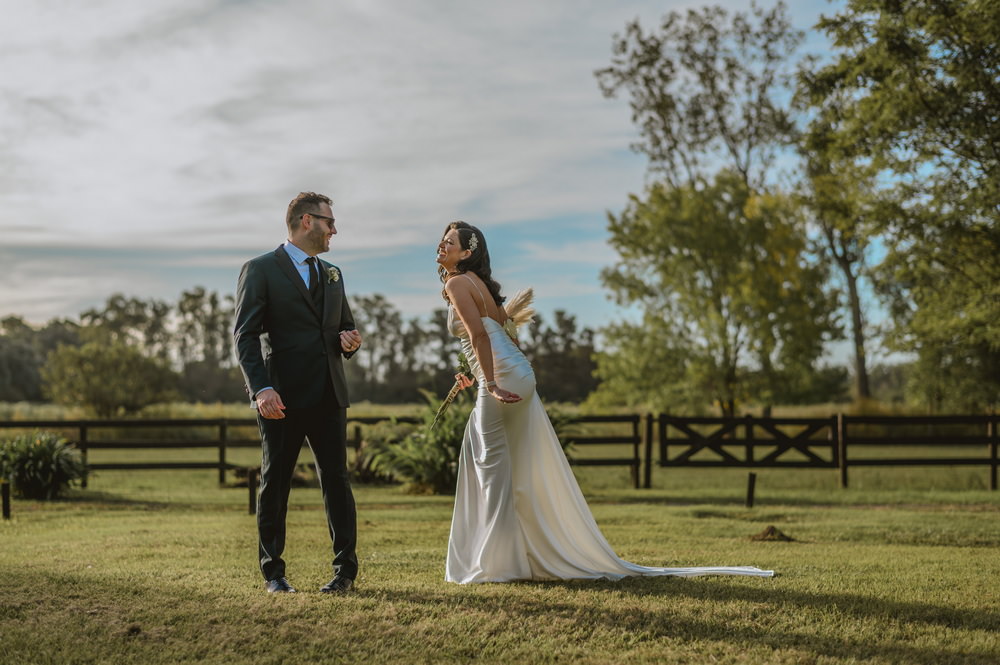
(428, 456)
(41, 465)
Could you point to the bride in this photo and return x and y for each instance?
(519, 513)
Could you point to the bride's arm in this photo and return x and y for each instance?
(461, 298)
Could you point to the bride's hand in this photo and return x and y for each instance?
(504, 396)
(463, 381)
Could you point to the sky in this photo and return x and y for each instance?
(147, 148)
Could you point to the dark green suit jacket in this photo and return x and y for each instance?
(281, 341)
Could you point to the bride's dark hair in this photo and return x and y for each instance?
(478, 262)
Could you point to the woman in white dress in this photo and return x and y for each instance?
(519, 513)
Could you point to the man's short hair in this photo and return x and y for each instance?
(301, 204)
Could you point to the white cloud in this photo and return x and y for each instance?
(189, 125)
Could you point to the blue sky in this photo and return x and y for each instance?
(151, 147)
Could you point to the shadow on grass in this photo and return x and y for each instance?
(111, 501)
(122, 610)
(679, 500)
(867, 610)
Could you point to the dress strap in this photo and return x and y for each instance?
(478, 290)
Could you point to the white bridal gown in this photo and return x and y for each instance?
(519, 513)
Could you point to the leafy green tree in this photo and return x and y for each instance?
(23, 350)
(380, 322)
(204, 327)
(109, 378)
(562, 356)
(708, 89)
(140, 323)
(444, 351)
(202, 344)
(399, 357)
(732, 304)
(20, 380)
(918, 98)
(837, 194)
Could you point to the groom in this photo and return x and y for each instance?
(293, 326)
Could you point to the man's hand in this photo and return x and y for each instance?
(350, 340)
(269, 404)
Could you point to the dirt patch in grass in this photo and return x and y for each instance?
(773, 534)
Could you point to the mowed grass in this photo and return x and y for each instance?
(160, 567)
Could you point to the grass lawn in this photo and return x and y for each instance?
(160, 567)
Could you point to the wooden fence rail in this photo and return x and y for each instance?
(634, 439)
(81, 434)
(836, 442)
(824, 443)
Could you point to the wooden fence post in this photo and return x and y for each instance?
(991, 432)
(223, 437)
(83, 455)
(751, 482)
(648, 480)
(842, 447)
(5, 491)
(748, 435)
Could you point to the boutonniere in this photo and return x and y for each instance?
(332, 274)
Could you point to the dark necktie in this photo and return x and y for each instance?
(314, 285)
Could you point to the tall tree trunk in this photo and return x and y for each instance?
(861, 389)
(846, 260)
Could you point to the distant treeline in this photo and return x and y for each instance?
(133, 352)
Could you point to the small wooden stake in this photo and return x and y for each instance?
(5, 491)
(751, 481)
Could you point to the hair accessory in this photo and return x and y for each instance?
(473, 242)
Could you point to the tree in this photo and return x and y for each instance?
(707, 90)
(381, 324)
(204, 327)
(444, 350)
(562, 356)
(732, 303)
(141, 323)
(20, 380)
(838, 195)
(23, 350)
(918, 91)
(109, 378)
(399, 357)
(203, 346)
(727, 291)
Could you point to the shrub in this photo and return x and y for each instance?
(375, 440)
(41, 465)
(428, 457)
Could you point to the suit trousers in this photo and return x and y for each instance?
(325, 427)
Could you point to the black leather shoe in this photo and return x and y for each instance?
(279, 585)
(338, 584)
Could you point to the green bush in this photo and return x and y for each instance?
(428, 457)
(41, 465)
(375, 440)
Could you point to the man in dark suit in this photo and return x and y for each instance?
(293, 328)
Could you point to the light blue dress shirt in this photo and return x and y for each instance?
(298, 258)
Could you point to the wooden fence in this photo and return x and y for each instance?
(837, 442)
(634, 439)
(81, 433)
